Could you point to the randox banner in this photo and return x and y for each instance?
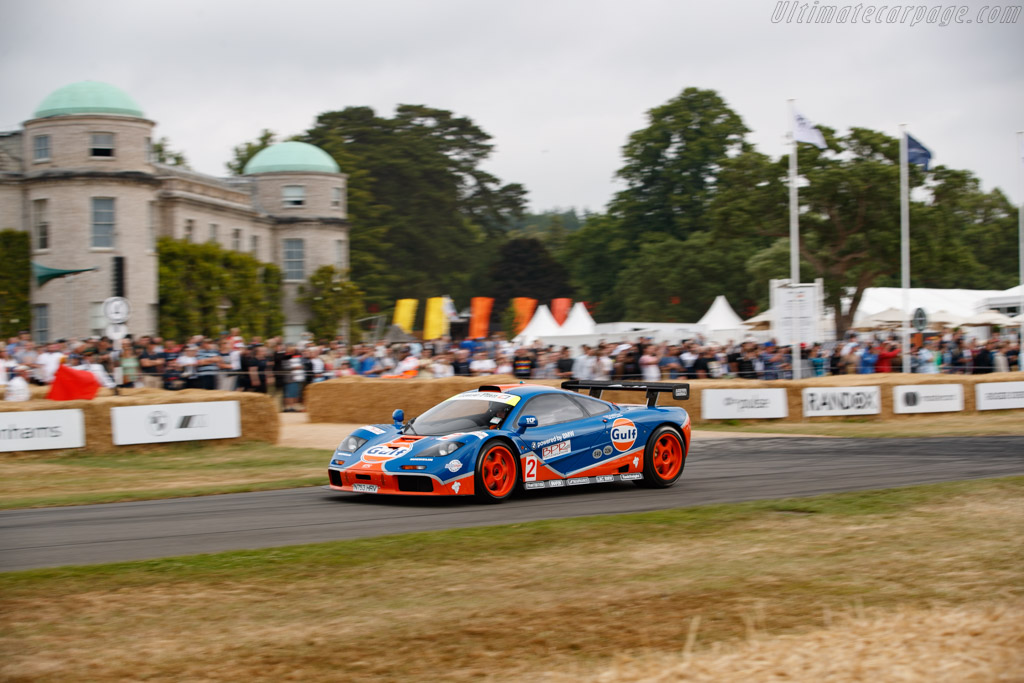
(999, 395)
(927, 398)
(168, 422)
(41, 430)
(828, 401)
(743, 404)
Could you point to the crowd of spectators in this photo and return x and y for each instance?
(233, 363)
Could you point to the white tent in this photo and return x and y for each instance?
(721, 322)
(541, 325)
(959, 302)
(989, 317)
(578, 321)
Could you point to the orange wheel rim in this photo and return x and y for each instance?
(668, 456)
(498, 471)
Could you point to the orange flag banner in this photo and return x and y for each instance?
(480, 312)
(560, 309)
(524, 307)
(70, 385)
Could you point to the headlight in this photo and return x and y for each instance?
(351, 444)
(442, 449)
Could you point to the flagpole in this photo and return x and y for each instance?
(905, 244)
(794, 240)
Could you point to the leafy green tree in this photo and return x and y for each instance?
(204, 289)
(331, 299)
(162, 152)
(600, 250)
(15, 311)
(524, 267)
(426, 219)
(671, 166)
(247, 150)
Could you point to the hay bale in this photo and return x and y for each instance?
(259, 417)
(372, 400)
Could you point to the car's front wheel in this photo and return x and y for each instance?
(664, 458)
(497, 473)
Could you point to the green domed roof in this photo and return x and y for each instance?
(88, 97)
(291, 156)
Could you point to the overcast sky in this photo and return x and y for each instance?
(559, 84)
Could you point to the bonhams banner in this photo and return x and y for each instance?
(40, 430)
(740, 404)
(828, 401)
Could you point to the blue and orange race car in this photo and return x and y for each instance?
(494, 440)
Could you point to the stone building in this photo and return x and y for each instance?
(80, 177)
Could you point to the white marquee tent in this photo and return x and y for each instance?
(721, 322)
(579, 321)
(541, 326)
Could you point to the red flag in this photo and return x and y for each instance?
(560, 309)
(70, 385)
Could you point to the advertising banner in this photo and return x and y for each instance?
(927, 398)
(999, 395)
(743, 404)
(175, 422)
(41, 430)
(830, 401)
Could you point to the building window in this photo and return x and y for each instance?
(41, 322)
(152, 226)
(294, 260)
(102, 145)
(41, 148)
(340, 256)
(214, 229)
(190, 230)
(102, 223)
(236, 239)
(293, 195)
(97, 321)
(254, 246)
(149, 150)
(336, 197)
(41, 223)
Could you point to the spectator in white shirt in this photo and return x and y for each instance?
(17, 388)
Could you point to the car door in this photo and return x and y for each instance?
(564, 431)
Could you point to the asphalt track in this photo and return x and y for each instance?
(719, 471)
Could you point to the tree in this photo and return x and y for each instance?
(426, 219)
(600, 250)
(524, 267)
(671, 166)
(331, 299)
(205, 289)
(162, 152)
(247, 150)
(15, 311)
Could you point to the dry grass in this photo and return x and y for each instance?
(552, 598)
(951, 645)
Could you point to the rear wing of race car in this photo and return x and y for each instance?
(679, 392)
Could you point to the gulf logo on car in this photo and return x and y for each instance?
(623, 434)
(382, 453)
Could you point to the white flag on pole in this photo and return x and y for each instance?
(805, 131)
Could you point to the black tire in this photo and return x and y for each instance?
(497, 473)
(664, 458)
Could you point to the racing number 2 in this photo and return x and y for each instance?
(530, 471)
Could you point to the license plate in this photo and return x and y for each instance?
(365, 488)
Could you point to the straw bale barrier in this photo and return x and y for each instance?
(369, 400)
(258, 414)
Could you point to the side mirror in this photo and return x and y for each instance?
(525, 422)
(398, 417)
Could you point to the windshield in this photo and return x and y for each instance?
(463, 415)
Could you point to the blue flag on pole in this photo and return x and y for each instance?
(917, 153)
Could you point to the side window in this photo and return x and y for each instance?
(552, 409)
(591, 406)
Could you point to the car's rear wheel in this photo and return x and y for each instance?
(497, 473)
(664, 458)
